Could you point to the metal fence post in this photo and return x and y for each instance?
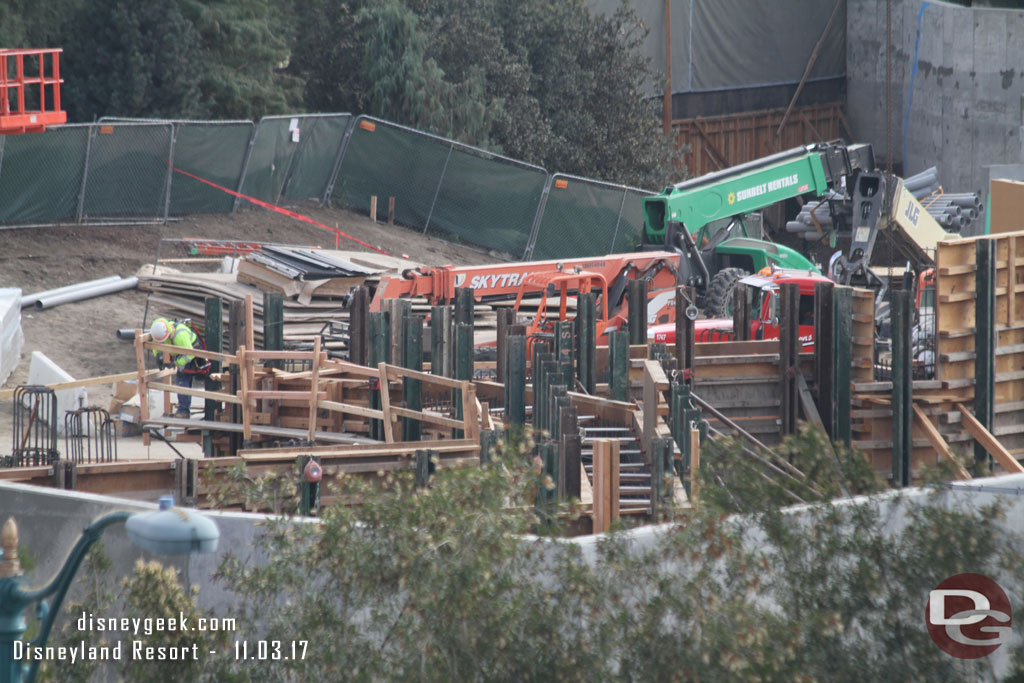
(537, 218)
(618, 219)
(170, 172)
(437, 191)
(245, 165)
(342, 148)
(843, 311)
(412, 389)
(85, 174)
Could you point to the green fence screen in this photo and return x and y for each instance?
(585, 217)
(440, 185)
(214, 151)
(127, 172)
(315, 158)
(285, 146)
(41, 175)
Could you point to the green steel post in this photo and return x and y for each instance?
(985, 343)
(463, 367)
(587, 317)
(437, 340)
(843, 310)
(902, 378)
(515, 382)
(824, 341)
(412, 389)
(637, 316)
(488, 440)
(309, 490)
(565, 349)
(464, 305)
(273, 325)
(379, 352)
(540, 369)
(425, 467)
(547, 489)
(661, 478)
(618, 365)
(214, 336)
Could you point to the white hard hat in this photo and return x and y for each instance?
(160, 331)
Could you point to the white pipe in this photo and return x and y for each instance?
(31, 299)
(99, 290)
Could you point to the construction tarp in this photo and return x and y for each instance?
(723, 44)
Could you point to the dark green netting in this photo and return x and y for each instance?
(127, 172)
(214, 152)
(320, 140)
(41, 175)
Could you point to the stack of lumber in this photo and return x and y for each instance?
(314, 284)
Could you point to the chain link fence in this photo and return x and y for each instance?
(284, 156)
(41, 176)
(581, 217)
(439, 185)
(123, 171)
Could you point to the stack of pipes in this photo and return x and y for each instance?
(804, 226)
(954, 212)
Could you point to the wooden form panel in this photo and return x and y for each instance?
(718, 142)
(954, 314)
(862, 331)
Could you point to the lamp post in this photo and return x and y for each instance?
(169, 531)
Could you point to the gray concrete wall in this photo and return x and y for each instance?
(963, 111)
(50, 521)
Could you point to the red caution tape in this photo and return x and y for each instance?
(291, 214)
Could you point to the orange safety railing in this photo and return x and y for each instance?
(30, 99)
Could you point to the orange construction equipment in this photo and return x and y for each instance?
(503, 281)
(29, 98)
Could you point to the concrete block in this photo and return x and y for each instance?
(11, 336)
(42, 370)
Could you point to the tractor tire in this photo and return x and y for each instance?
(719, 297)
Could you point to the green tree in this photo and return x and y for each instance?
(243, 53)
(128, 58)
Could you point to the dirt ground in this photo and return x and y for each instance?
(80, 337)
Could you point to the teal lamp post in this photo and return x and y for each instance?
(170, 531)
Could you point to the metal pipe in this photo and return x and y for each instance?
(99, 290)
(31, 299)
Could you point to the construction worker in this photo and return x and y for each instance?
(164, 331)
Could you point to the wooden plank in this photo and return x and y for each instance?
(349, 409)
(371, 448)
(243, 391)
(142, 391)
(214, 426)
(210, 395)
(988, 441)
(425, 416)
(314, 384)
(385, 403)
(931, 432)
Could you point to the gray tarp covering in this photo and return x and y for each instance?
(720, 44)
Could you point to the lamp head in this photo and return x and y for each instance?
(173, 531)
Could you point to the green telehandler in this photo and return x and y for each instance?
(703, 219)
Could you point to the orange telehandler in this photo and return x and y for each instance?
(504, 281)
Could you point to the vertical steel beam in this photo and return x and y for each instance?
(824, 341)
(789, 354)
(273, 325)
(515, 383)
(586, 318)
(843, 311)
(379, 352)
(214, 314)
(618, 365)
(412, 389)
(902, 378)
(985, 341)
(637, 317)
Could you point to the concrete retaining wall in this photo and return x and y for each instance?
(957, 87)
